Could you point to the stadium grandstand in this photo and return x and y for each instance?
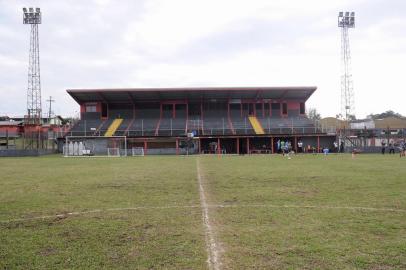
(232, 120)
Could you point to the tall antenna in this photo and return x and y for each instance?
(50, 100)
(346, 20)
(34, 109)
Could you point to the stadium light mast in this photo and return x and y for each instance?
(34, 109)
(346, 20)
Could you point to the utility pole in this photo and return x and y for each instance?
(50, 100)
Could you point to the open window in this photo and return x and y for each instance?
(266, 109)
(284, 108)
(302, 108)
(104, 112)
(258, 110)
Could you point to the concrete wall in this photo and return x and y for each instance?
(25, 152)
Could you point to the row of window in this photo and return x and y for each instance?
(245, 107)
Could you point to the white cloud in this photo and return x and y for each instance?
(153, 43)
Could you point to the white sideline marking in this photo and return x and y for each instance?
(212, 247)
(311, 206)
(99, 211)
(77, 213)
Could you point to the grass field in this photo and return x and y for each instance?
(265, 212)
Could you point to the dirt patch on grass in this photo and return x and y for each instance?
(232, 200)
(115, 185)
(305, 193)
(48, 251)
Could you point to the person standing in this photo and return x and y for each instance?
(283, 147)
(391, 147)
(335, 147)
(383, 144)
(300, 146)
(289, 146)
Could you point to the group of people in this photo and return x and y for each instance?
(286, 147)
(283, 146)
(392, 147)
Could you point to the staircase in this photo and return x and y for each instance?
(256, 125)
(113, 127)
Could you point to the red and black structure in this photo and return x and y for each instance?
(222, 119)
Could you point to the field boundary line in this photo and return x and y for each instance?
(78, 213)
(311, 207)
(213, 259)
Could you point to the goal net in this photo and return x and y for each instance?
(79, 146)
(137, 151)
(113, 152)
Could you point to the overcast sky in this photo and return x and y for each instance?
(178, 43)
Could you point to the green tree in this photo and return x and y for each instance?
(386, 114)
(313, 114)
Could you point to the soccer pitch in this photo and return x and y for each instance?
(200, 212)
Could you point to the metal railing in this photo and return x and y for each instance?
(220, 126)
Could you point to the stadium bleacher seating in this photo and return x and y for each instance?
(122, 129)
(85, 127)
(213, 123)
(172, 127)
(216, 122)
(104, 127)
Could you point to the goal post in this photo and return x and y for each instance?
(137, 151)
(85, 146)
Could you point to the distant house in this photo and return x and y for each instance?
(10, 128)
(332, 124)
(54, 121)
(362, 124)
(393, 123)
(390, 123)
(4, 118)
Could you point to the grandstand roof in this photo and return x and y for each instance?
(120, 95)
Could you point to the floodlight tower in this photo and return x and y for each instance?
(346, 20)
(34, 108)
